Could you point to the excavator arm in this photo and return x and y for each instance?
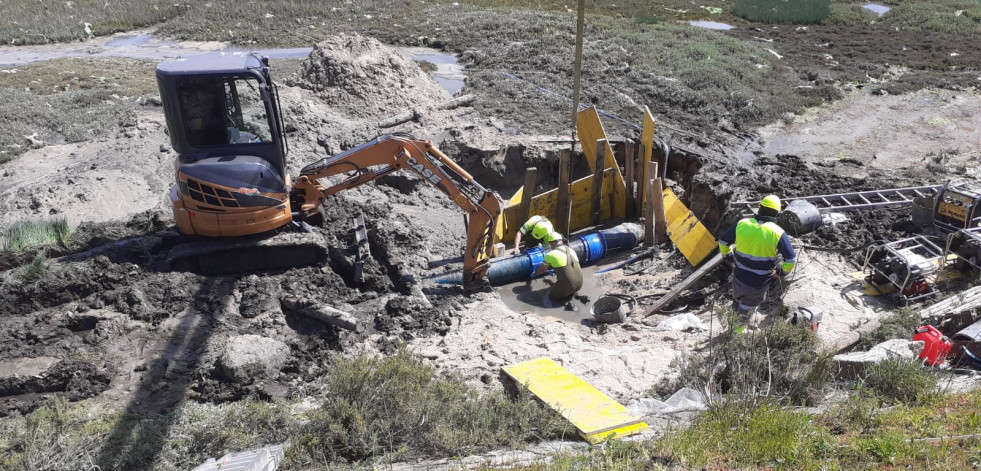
(390, 152)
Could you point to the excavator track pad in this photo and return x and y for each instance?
(248, 254)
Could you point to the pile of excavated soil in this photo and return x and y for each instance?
(363, 79)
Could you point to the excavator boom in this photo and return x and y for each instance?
(390, 152)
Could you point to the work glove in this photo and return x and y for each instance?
(729, 260)
(549, 272)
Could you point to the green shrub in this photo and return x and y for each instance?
(646, 20)
(779, 363)
(24, 235)
(850, 14)
(900, 380)
(958, 17)
(783, 11)
(393, 406)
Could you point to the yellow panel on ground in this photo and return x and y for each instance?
(594, 414)
(647, 141)
(581, 195)
(686, 231)
(590, 129)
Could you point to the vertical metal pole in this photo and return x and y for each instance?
(598, 170)
(564, 202)
(577, 71)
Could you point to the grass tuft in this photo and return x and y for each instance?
(33, 271)
(24, 235)
(743, 435)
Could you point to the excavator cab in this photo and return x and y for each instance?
(226, 128)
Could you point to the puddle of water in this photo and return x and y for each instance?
(878, 9)
(449, 74)
(531, 297)
(710, 25)
(294, 53)
(134, 40)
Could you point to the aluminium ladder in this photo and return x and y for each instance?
(859, 200)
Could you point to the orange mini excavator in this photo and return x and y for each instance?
(232, 187)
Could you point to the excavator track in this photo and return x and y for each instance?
(249, 254)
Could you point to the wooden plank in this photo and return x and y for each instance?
(601, 146)
(629, 161)
(590, 131)
(595, 415)
(681, 287)
(962, 301)
(531, 178)
(639, 177)
(564, 203)
(646, 153)
(546, 204)
(657, 202)
(649, 238)
(686, 231)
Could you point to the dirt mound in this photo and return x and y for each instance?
(366, 79)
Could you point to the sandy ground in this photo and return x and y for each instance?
(885, 132)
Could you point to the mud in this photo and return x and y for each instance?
(152, 337)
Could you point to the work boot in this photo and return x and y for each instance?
(739, 322)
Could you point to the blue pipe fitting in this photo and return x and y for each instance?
(536, 256)
(594, 247)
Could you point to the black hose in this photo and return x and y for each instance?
(838, 250)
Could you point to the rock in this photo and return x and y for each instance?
(852, 365)
(251, 357)
(25, 366)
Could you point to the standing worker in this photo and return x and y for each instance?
(565, 262)
(751, 248)
(538, 226)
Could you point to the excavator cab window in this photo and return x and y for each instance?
(219, 111)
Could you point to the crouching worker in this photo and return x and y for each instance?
(537, 226)
(751, 247)
(565, 262)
